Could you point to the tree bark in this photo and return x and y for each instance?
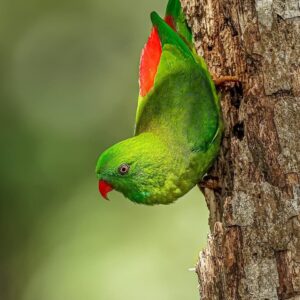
(253, 250)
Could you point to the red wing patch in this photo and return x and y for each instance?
(149, 62)
(170, 21)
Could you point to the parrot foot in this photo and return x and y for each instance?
(223, 80)
(209, 182)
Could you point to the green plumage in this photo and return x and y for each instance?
(174, 10)
(178, 124)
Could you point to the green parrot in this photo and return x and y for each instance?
(178, 126)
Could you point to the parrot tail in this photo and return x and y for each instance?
(176, 19)
(174, 30)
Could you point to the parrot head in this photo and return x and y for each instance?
(136, 167)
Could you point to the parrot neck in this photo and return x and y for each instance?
(177, 170)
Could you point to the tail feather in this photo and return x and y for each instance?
(176, 19)
(168, 36)
(179, 35)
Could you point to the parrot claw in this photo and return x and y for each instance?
(209, 182)
(223, 80)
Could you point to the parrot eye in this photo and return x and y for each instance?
(123, 169)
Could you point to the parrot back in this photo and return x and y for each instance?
(182, 103)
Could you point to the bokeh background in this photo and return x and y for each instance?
(68, 90)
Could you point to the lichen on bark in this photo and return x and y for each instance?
(253, 251)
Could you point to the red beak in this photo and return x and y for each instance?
(104, 188)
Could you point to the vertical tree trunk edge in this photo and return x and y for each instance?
(253, 251)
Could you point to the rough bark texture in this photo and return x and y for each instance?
(253, 251)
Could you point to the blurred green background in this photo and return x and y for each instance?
(68, 88)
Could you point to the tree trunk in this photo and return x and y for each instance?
(253, 250)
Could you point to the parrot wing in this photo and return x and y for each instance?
(177, 95)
